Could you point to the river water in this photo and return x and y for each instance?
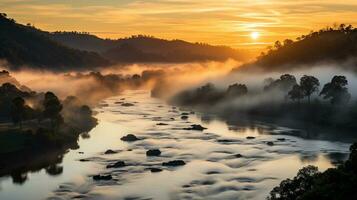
(212, 171)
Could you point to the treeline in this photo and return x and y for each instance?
(280, 98)
(329, 45)
(144, 48)
(310, 184)
(43, 115)
(30, 47)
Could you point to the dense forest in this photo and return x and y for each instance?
(142, 48)
(35, 124)
(330, 45)
(282, 98)
(332, 184)
(27, 46)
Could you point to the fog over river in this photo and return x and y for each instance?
(221, 162)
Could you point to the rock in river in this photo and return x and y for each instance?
(153, 152)
(127, 104)
(118, 164)
(184, 117)
(270, 143)
(109, 151)
(174, 163)
(155, 170)
(102, 177)
(196, 127)
(129, 138)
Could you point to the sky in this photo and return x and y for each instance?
(244, 24)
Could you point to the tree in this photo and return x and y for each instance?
(336, 90)
(284, 83)
(18, 110)
(237, 90)
(291, 189)
(309, 85)
(296, 93)
(52, 109)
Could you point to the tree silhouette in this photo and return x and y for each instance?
(296, 93)
(309, 85)
(336, 90)
(284, 83)
(18, 110)
(53, 108)
(236, 90)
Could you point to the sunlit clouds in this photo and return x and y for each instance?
(230, 22)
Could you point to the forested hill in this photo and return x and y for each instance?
(27, 46)
(330, 45)
(142, 48)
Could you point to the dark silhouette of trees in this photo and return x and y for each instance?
(296, 93)
(292, 189)
(336, 90)
(309, 85)
(18, 110)
(284, 83)
(236, 90)
(52, 109)
(330, 44)
(309, 184)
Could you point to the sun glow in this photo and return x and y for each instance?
(254, 35)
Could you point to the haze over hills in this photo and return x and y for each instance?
(27, 46)
(141, 48)
(336, 45)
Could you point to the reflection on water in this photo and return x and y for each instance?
(222, 162)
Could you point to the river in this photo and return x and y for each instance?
(221, 162)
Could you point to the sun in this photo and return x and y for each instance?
(254, 35)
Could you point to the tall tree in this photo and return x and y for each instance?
(296, 93)
(336, 90)
(237, 90)
(18, 110)
(309, 85)
(52, 109)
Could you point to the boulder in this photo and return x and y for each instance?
(153, 152)
(162, 124)
(102, 177)
(270, 143)
(155, 170)
(129, 138)
(184, 117)
(174, 163)
(109, 151)
(250, 137)
(238, 155)
(196, 127)
(118, 164)
(127, 104)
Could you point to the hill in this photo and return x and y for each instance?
(25, 45)
(143, 48)
(329, 45)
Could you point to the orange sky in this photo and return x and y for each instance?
(225, 22)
